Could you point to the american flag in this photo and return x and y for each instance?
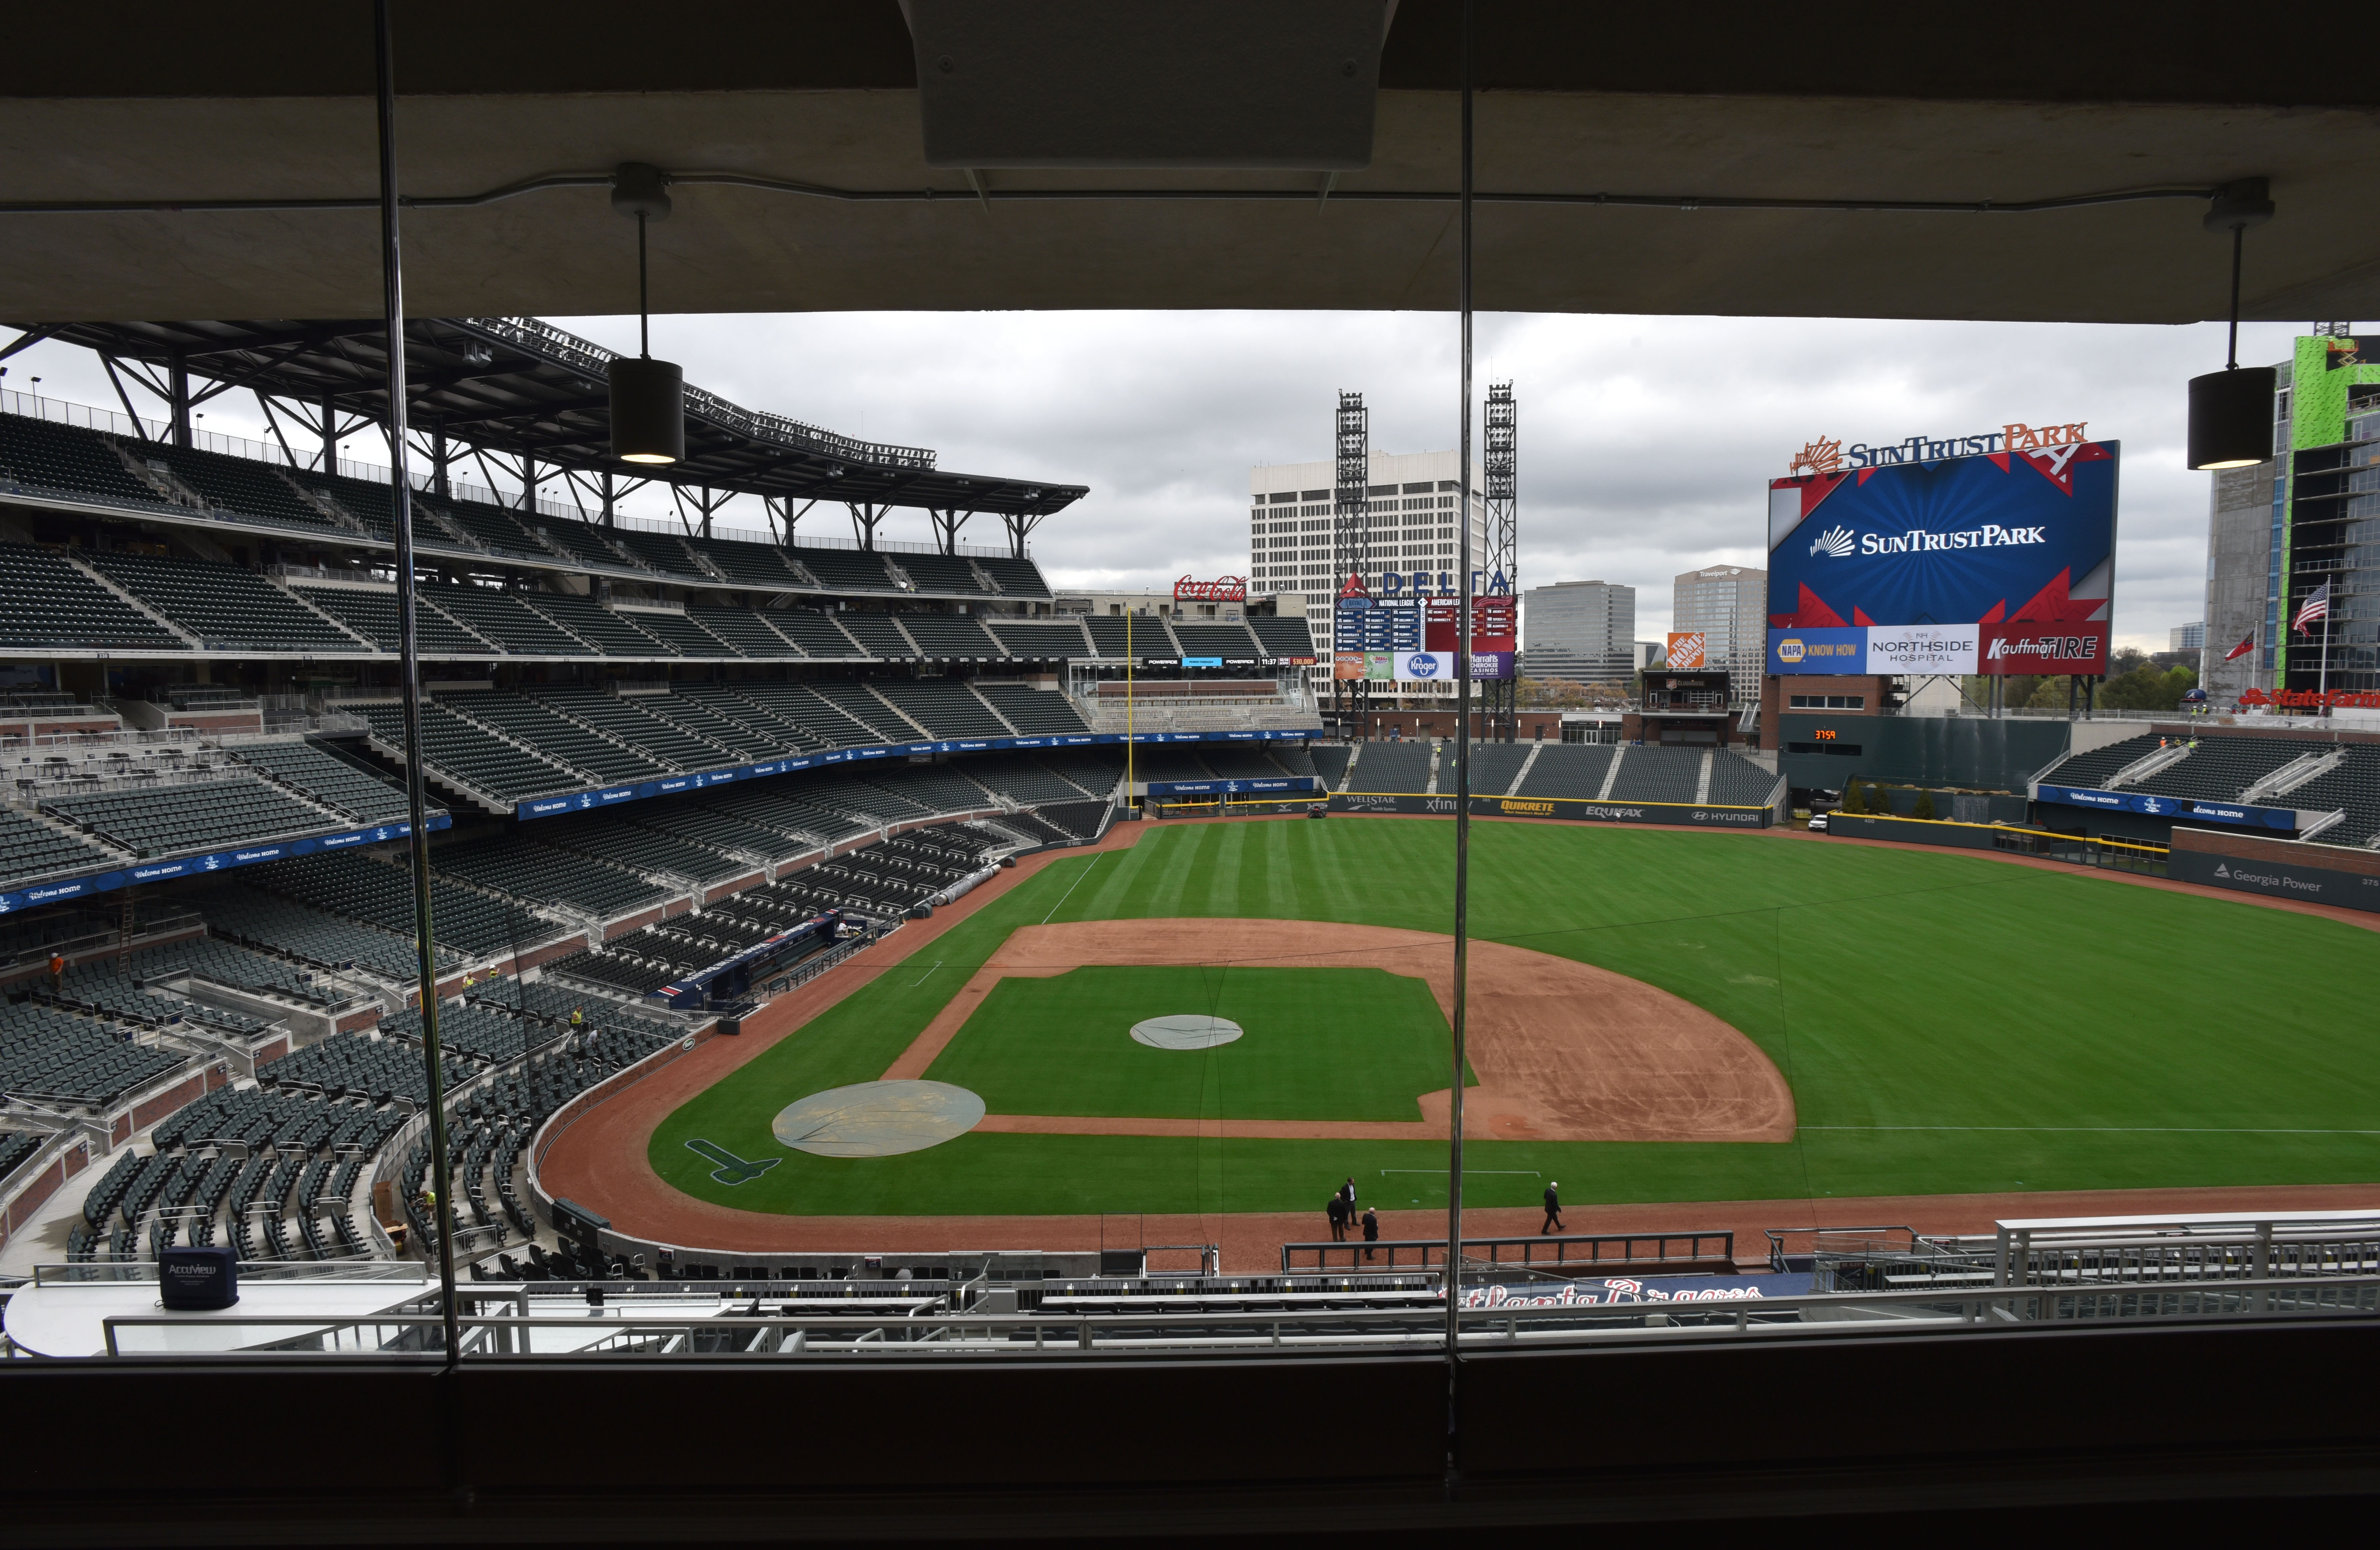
(2314, 607)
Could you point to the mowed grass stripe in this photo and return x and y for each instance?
(2154, 1032)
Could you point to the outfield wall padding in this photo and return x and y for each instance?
(1570, 808)
(2275, 868)
(1912, 831)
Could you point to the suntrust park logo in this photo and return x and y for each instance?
(1836, 542)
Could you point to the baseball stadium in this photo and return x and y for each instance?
(653, 971)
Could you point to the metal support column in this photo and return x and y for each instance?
(178, 379)
(1462, 817)
(330, 429)
(416, 795)
(439, 455)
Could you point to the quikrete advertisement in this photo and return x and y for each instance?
(1993, 563)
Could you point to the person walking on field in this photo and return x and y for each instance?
(1347, 1193)
(1337, 1211)
(1553, 1208)
(1371, 1230)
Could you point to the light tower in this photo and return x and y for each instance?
(1351, 548)
(1497, 467)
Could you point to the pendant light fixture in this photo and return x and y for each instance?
(2231, 410)
(647, 396)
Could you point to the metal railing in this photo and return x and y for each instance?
(543, 339)
(1493, 1317)
(1546, 1251)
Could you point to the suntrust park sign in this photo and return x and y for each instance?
(1822, 456)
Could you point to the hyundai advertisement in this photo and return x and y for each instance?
(2002, 563)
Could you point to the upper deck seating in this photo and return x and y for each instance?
(942, 573)
(609, 633)
(879, 636)
(1034, 712)
(951, 638)
(504, 620)
(371, 613)
(1016, 578)
(1040, 640)
(680, 632)
(243, 487)
(223, 604)
(944, 708)
(815, 633)
(1230, 642)
(69, 460)
(743, 631)
(1280, 636)
(846, 570)
(46, 602)
(762, 566)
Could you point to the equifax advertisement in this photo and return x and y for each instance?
(2002, 563)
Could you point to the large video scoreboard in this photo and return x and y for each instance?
(1999, 563)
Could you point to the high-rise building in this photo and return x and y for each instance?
(2279, 532)
(1728, 605)
(2187, 638)
(1412, 498)
(1582, 630)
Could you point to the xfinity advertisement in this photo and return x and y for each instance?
(1998, 563)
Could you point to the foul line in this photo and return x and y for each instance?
(1071, 887)
(1440, 1173)
(927, 975)
(2110, 1130)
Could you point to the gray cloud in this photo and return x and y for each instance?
(1646, 443)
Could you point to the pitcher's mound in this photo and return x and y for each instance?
(1184, 1030)
(878, 1118)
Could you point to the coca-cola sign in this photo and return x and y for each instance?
(1223, 589)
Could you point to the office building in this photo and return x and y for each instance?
(1412, 498)
(1582, 630)
(2277, 531)
(1728, 605)
(2187, 638)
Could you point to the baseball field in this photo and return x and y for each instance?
(1658, 1015)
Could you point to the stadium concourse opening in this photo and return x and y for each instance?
(711, 1030)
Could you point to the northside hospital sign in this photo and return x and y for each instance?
(1986, 553)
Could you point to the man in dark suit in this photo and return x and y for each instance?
(1553, 1208)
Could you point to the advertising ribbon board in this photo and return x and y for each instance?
(2169, 807)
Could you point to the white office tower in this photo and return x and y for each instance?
(1582, 630)
(1728, 605)
(1412, 498)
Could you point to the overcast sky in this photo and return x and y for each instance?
(1646, 443)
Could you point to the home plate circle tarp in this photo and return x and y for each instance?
(1184, 1030)
(878, 1118)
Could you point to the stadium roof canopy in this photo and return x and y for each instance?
(521, 386)
(1612, 140)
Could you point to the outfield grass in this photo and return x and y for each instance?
(1949, 1024)
(1318, 1044)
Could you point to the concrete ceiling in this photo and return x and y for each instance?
(1962, 103)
